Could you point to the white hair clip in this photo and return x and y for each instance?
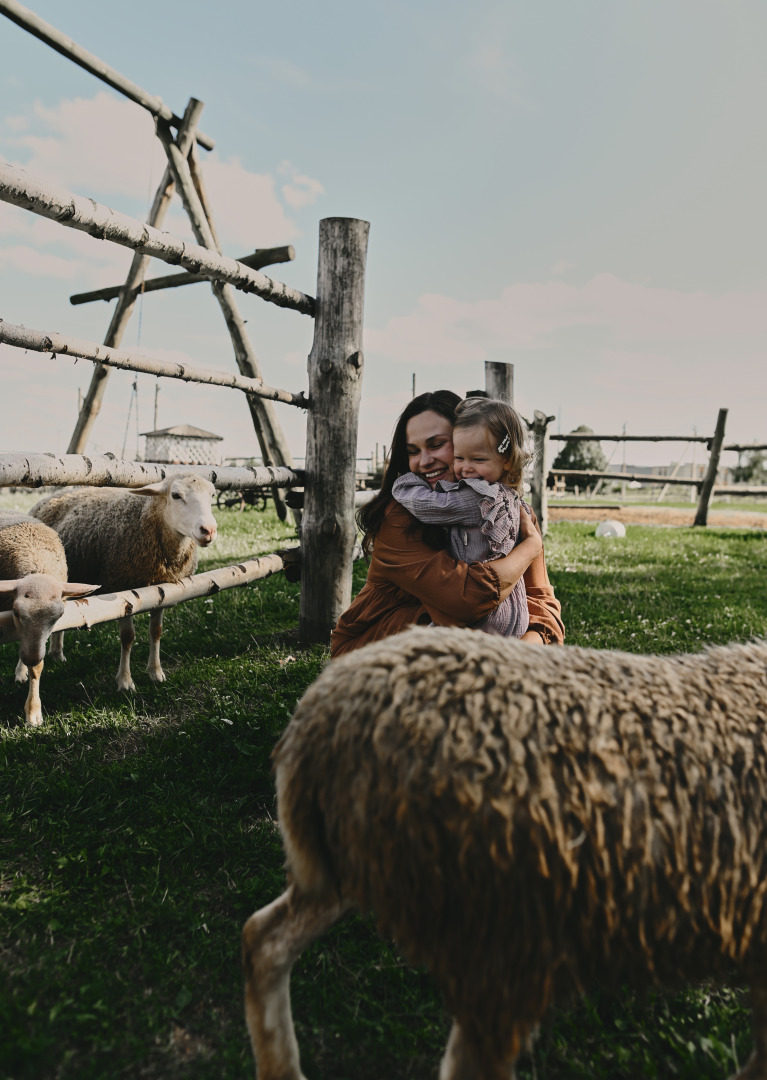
(503, 446)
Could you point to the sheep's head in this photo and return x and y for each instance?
(38, 604)
(187, 506)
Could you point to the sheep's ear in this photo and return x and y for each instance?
(150, 489)
(73, 588)
(8, 585)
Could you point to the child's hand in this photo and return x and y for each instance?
(528, 533)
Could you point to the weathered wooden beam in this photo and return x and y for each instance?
(274, 445)
(20, 189)
(50, 470)
(499, 381)
(706, 488)
(643, 478)
(538, 493)
(110, 606)
(583, 436)
(744, 448)
(260, 258)
(123, 310)
(38, 341)
(328, 530)
(63, 44)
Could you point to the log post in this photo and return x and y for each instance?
(274, 445)
(328, 530)
(539, 495)
(701, 514)
(126, 302)
(499, 381)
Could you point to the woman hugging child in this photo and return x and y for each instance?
(482, 505)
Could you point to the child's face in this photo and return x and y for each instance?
(476, 457)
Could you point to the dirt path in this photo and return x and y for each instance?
(658, 515)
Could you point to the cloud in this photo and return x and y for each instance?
(127, 161)
(543, 317)
(301, 190)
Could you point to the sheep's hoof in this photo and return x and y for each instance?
(22, 672)
(35, 718)
(156, 676)
(57, 657)
(125, 684)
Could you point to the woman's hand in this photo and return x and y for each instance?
(529, 533)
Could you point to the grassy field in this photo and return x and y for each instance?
(137, 834)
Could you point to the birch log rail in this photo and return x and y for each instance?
(63, 44)
(260, 258)
(642, 478)
(47, 470)
(86, 215)
(584, 436)
(24, 338)
(111, 606)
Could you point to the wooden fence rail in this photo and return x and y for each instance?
(48, 342)
(86, 215)
(110, 606)
(31, 22)
(260, 258)
(48, 470)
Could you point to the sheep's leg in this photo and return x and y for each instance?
(127, 637)
(756, 1066)
(22, 671)
(463, 1061)
(32, 708)
(56, 646)
(272, 941)
(156, 674)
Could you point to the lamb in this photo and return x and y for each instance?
(526, 823)
(125, 542)
(33, 584)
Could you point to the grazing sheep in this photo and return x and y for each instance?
(125, 542)
(33, 583)
(527, 823)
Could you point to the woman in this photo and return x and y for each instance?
(412, 578)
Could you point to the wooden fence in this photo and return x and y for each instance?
(335, 365)
(706, 486)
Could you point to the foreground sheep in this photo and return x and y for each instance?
(125, 542)
(33, 584)
(527, 823)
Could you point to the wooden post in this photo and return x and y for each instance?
(328, 530)
(499, 381)
(274, 445)
(27, 19)
(701, 514)
(124, 308)
(538, 495)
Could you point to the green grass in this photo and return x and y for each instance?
(137, 834)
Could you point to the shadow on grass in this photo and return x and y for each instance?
(137, 835)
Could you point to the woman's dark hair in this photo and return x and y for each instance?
(371, 515)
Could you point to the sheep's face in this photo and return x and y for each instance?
(187, 506)
(37, 607)
(38, 604)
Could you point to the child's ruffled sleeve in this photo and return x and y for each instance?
(499, 507)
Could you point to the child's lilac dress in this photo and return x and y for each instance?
(483, 524)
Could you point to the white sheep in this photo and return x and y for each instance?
(33, 585)
(124, 541)
(526, 823)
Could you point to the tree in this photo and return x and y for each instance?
(751, 468)
(581, 453)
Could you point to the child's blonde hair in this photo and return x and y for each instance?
(506, 430)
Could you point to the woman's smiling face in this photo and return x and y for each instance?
(430, 446)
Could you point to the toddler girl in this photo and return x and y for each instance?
(481, 506)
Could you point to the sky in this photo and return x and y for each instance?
(577, 189)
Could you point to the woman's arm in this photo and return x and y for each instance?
(514, 565)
